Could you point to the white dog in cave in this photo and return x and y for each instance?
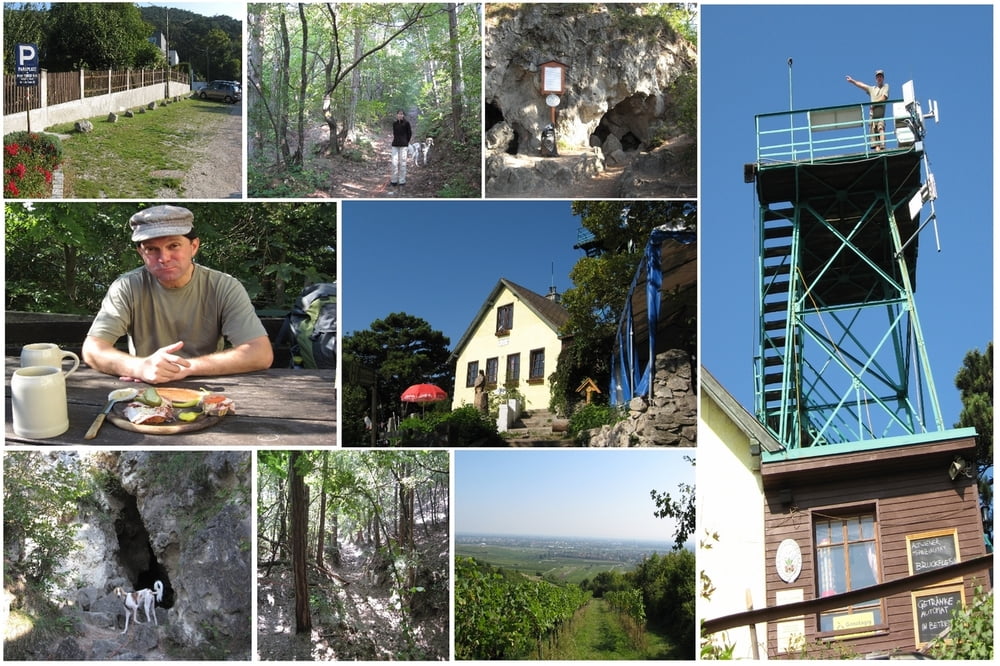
(145, 599)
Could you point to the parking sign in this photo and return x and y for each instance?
(26, 64)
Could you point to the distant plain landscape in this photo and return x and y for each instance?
(558, 559)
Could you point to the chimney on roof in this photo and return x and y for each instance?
(554, 295)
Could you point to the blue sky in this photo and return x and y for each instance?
(600, 493)
(947, 52)
(439, 260)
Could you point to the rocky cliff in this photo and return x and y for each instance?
(182, 518)
(620, 65)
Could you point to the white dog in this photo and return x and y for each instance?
(418, 151)
(145, 599)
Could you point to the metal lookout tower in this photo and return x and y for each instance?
(841, 357)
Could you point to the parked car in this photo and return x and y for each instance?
(221, 90)
(236, 84)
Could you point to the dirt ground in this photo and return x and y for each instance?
(354, 621)
(362, 170)
(218, 172)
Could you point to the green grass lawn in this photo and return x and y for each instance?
(137, 157)
(597, 634)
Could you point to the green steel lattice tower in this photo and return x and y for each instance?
(841, 357)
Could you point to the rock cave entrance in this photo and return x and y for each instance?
(494, 115)
(630, 121)
(135, 554)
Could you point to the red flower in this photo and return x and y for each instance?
(19, 170)
(11, 149)
(12, 189)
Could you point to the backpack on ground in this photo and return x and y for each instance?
(312, 327)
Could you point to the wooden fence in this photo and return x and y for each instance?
(62, 87)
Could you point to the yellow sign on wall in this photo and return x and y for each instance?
(854, 621)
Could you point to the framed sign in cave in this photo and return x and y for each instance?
(553, 77)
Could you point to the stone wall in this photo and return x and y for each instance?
(668, 418)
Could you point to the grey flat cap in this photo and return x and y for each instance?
(160, 221)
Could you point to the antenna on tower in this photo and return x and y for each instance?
(790, 107)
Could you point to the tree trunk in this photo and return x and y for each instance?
(281, 91)
(282, 535)
(321, 532)
(352, 110)
(255, 56)
(300, 528)
(457, 82)
(303, 82)
(335, 539)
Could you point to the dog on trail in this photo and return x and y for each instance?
(419, 151)
(145, 599)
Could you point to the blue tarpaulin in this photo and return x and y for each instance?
(631, 375)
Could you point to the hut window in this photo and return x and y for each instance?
(847, 558)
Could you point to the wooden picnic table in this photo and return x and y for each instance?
(274, 408)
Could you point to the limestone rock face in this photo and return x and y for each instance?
(208, 561)
(179, 517)
(620, 66)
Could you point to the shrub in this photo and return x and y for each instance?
(592, 416)
(971, 633)
(28, 162)
(462, 426)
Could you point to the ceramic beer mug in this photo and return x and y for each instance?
(47, 353)
(38, 401)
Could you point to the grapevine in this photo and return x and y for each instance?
(507, 616)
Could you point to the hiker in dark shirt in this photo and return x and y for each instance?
(401, 135)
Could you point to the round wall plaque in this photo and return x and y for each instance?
(552, 100)
(788, 560)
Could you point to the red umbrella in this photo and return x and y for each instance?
(423, 393)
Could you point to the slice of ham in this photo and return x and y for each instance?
(141, 414)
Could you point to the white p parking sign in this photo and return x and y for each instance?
(26, 64)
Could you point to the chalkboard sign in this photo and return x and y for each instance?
(932, 610)
(932, 550)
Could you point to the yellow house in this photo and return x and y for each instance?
(731, 506)
(514, 338)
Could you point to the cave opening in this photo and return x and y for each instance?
(135, 553)
(629, 120)
(493, 115)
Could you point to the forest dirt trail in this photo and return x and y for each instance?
(369, 178)
(357, 621)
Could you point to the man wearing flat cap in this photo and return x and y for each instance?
(878, 93)
(177, 314)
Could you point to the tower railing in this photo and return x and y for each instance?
(809, 135)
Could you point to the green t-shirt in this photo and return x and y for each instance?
(209, 309)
